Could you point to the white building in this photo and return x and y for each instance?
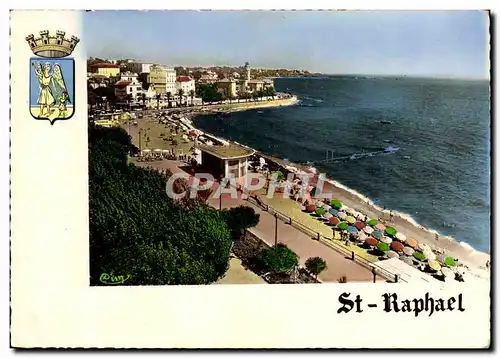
(186, 84)
(128, 85)
(139, 67)
(128, 77)
(162, 79)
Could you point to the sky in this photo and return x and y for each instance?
(412, 43)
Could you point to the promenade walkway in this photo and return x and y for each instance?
(302, 244)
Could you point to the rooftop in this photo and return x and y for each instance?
(122, 84)
(184, 79)
(231, 151)
(105, 65)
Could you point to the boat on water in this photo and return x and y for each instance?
(260, 112)
(390, 149)
(406, 157)
(386, 122)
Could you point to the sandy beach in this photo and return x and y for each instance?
(400, 221)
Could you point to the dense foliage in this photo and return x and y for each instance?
(315, 265)
(279, 259)
(240, 218)
(136, 230)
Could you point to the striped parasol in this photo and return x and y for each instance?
(361, 237)
(380, 227)
(342, 216)
(311, 208)
(359, 225)
(408, 251)
(333, 211)
(406, 260)
(434, 265)
(397, 246)
(386, 239)
(371, 222)
(371, 241)
(334, 221)
(400, 236)
(368, 229)
(350, 219)
(411, 242)
(392, 254)
(377, 234)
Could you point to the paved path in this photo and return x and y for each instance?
(303, 245)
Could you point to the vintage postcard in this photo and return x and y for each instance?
(197, 161)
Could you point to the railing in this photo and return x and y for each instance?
(328, 241)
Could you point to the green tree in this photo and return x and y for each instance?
(158, 97)
(240, 218)
(279, 259)
(191, 94)
(136, 229)
(143, 96)
(180, 93)
(315, 265)
(278, 176)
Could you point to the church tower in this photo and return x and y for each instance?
(247, 71)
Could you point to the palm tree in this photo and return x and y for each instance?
(191, 93)
(129, 99)
(180, 94)
(169, 99)
(158, 96)
(143, 95)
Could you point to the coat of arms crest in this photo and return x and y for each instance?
(52, 79)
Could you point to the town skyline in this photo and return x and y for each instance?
(391, 43)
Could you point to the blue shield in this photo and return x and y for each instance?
(52, 88)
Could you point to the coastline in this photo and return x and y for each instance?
(403, 222)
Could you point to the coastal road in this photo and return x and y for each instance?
(303, 245)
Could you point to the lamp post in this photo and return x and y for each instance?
(276, 229)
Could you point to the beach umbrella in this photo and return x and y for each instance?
(423, 247)
(146, 150)
(342, 226)
(333, 211)
(368, 229)
(319, 204)
(434, 265)
(389, 230)
(430, 255)
(311, 208)
(392, 254)
(380, 227)
(327, 216)
(419, 255)
(382, 246)
(350, 220)
(386, 239)
(327, 207)
(342, 216)
(450, 261)
(397, 246)
(361, 237)
(406, 260)
(371, 241)
(359, 225)
(320, 211)
(336, 204)
(411, 242)
(352, 230)
(372, 222)
(400, 236)
(377, 234)
(448, 273)
(333, 220)
(408, 251)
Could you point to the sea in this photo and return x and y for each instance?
(440, 175)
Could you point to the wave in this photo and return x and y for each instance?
(404, 216)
